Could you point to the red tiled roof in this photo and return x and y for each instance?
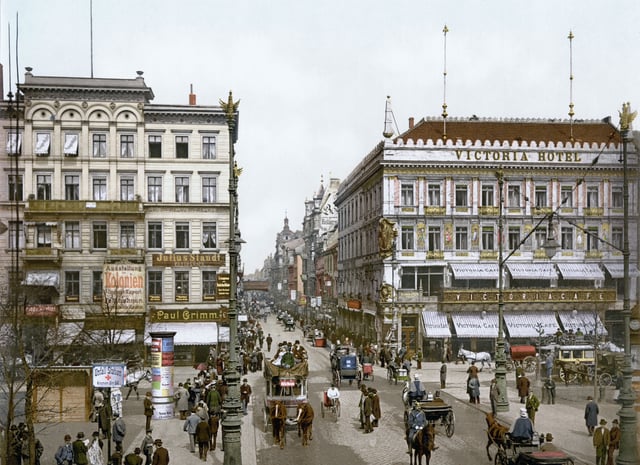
(514, 130)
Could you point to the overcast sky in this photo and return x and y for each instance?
(313, 76)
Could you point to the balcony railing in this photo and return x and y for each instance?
(38, 207)
(42, 254)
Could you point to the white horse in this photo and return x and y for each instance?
(482, 357)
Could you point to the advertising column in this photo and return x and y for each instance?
(162, 374)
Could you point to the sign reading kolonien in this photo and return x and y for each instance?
(123, 287)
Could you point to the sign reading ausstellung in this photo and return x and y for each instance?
(218, 315)
(168, 259)
(530, 296)
(123, 287)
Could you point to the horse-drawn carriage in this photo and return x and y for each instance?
(436, 411)
(289, 324)
(530, 454)
(286, 389)
(345, 366)
(522, 356)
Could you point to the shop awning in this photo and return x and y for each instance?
(527, 324)
(476, 324)
(580, 271)
(188, 334)
(42, 278)
(532, 270)
(583, 320)
(474, 270)
(616, 270)
(435, 324)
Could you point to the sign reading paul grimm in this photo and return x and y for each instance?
(169, 259)
(218, 315)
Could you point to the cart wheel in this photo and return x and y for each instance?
(605, 379)
(450, 426)
(337, 409)
(501, 458)
(322, 408)
(566, 376)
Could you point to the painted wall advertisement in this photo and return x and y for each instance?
(123, 287)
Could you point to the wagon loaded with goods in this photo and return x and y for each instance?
(522, 356)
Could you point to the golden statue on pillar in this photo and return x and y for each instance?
(626, 117)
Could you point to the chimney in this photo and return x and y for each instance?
(411, 123)
(192, 96)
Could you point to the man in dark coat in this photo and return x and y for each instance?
(148, 410)
(614, 441)
(523, 384)
(203, 435)
(119, 430)
(133, 458)
(368, 411)
(375, 408)
(245, 395)
(591, 412)
(80, 450)
(161, 455)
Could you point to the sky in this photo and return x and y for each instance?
(313, 76)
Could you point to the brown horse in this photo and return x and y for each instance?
(423, 443)
(304, 418)
(496, 433)
(278, 415)
(214, 423)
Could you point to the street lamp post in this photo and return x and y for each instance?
(502, 403)
(628, 421)
(550, 246)
(232, 423)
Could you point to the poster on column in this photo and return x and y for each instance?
(162, 377)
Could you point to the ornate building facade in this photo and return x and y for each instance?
(123, 209)
(423, 216)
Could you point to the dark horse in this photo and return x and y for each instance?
(304, 418)
(278, 415)
(422, 444)
(496, 433)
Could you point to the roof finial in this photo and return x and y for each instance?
(571, 112)
(388, 119)
(444, 92)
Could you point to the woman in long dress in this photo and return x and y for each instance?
(94, 453)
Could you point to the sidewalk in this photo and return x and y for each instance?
(564, 419)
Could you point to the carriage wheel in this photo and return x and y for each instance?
(529, 364)
(501, 458)
(605, 379)
(567, 377)
(337, 409)
(450, 424)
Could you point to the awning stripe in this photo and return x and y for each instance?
(580, 271)
(476, 324)
(474, 270)
(585, 321)
(616, 270)
(435, 324)
(532, 270)
(526, 324)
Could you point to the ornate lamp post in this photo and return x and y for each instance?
(502, 403)
(232, 422)
(628, 420)
(550, 246)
